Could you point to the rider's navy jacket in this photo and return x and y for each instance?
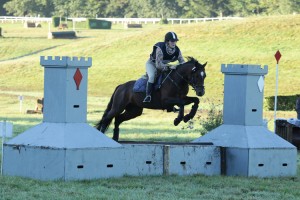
(167, 57)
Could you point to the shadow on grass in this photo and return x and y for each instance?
(29, 54)
(141, 131)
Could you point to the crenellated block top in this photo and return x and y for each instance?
(244, 69)
(65, 61)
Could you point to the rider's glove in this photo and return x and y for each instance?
(172, 66)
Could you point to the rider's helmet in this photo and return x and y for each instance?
(171, 36)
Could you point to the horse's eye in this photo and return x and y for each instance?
(202, 74)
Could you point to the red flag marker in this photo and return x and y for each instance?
(277, 56)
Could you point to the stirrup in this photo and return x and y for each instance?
(147, 99)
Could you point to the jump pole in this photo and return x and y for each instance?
(2, 144)
(277, 57)
(5, 132)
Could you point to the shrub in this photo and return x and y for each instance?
(163, 21)
(56, 20)
(98, 24)
(212, 120)
(284, 103)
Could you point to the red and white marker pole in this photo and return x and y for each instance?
(277, 57)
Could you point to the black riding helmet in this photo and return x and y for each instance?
(171, 36)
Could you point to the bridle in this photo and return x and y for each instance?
(192, 82)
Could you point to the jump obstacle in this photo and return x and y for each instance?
(250, 148)
(62, 34)
(65, 147)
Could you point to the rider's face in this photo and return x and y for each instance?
(172, 44)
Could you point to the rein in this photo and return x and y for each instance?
(191, 82)
(168, 77)
(174, 82)
(182, 78)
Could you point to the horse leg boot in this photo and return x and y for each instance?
(149, 89)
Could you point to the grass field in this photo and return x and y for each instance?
(119, 55)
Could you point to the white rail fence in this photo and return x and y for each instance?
(9, 19)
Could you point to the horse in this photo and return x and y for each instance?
(125, 104)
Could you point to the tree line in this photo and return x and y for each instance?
(148, 9)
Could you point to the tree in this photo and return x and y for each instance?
(278, 6)
(165, 9)
(150, 8)
(143, 8)
(194, 8)
(219, 7)
(116, 8)
(29, 7)
(77, 8)
(96, 8)
(246, 7)
(44, 7)
(2, 10)
(61, 8)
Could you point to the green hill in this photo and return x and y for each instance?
(119, 54)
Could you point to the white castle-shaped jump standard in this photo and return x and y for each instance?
(243, 94)
(250, 148)
(65, 89)
(59, 147)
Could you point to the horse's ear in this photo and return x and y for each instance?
(204, 64)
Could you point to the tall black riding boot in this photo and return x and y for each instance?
(149, 89)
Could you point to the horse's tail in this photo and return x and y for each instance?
(107, 121)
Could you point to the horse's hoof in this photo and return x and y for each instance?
(176, 122)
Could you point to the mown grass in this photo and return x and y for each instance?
(118, 56)
(153, 187)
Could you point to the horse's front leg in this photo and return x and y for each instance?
(180, 103)
(179, 116)
(191, 115)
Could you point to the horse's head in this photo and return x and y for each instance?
(196, 75)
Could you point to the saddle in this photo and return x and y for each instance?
(140, 84)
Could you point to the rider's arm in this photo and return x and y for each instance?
(180, 58)
(159, 60)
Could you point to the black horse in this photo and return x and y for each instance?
(125, 104)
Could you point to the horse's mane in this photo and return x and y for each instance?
(189, 60)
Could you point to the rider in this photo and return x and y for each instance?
(162, 54)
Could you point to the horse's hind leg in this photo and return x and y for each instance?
(111, 114)
(105, 123)
(130, 113)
